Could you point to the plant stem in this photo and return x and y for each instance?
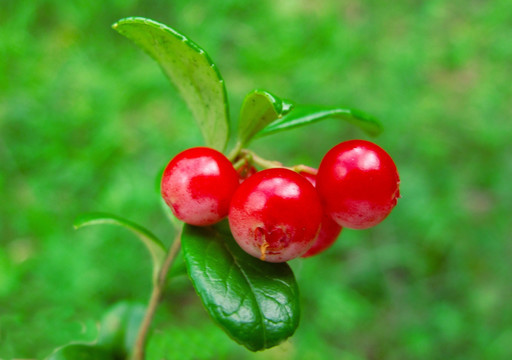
(236, 150)
(264, 163)
(304, 169)
(240, 163)
(140, 343)
(245, 155)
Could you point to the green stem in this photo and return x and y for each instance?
(264, 163)
(304, 169)
(240, 163)
(245, 155)
(140, 342)
(235, 152)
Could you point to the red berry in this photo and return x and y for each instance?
(329, 229)
(329, 232)
(358, 184)
(198, 185)
(275, 215)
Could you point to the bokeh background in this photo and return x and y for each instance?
(87, 121)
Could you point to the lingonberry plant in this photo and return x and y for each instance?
(275, 213)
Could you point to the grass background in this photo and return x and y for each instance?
(87, 120)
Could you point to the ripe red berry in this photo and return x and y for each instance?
(275, 215)
(329, 229)
(358, 184)
(198, 185)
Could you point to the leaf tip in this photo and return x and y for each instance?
(378, 128)
(77, 222)
(119, 22)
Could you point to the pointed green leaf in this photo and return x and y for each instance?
(119, 328)
(152, 243)
(303, 115)
(190, 69)
(259, 109)
(255, 302)
(81, 352)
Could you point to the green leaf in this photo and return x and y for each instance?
(255, 302)
(81, 352)
(259, 109)
(190, 69)
(119, 328)
(303, 115)
(152, 243)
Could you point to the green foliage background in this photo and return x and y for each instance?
(87, 121)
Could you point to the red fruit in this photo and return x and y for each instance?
(329, 229)
(275, 215)
(198, 185)
(358, 184)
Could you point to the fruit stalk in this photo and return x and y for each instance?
(140, 342)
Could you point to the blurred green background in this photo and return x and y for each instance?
(87, 120)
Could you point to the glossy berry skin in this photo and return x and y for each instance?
(198, 185)
(329, 232)
(329, 229)
(358, 184)
(275, 215)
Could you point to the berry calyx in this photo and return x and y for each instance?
(246, 170)
(198, 185)
(358, 184)
(275, 215)
(329, 229)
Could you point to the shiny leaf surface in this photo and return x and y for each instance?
(302, 115)
(259, 109)
(190, 69)
(255, 302)
(152, 243)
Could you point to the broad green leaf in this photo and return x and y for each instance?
(303, 115)
(119, 328)
(190, 69)
(81, 352)
(259, 109)
(255, 302)
(152, 243)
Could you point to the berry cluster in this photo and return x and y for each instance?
(278, 214)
